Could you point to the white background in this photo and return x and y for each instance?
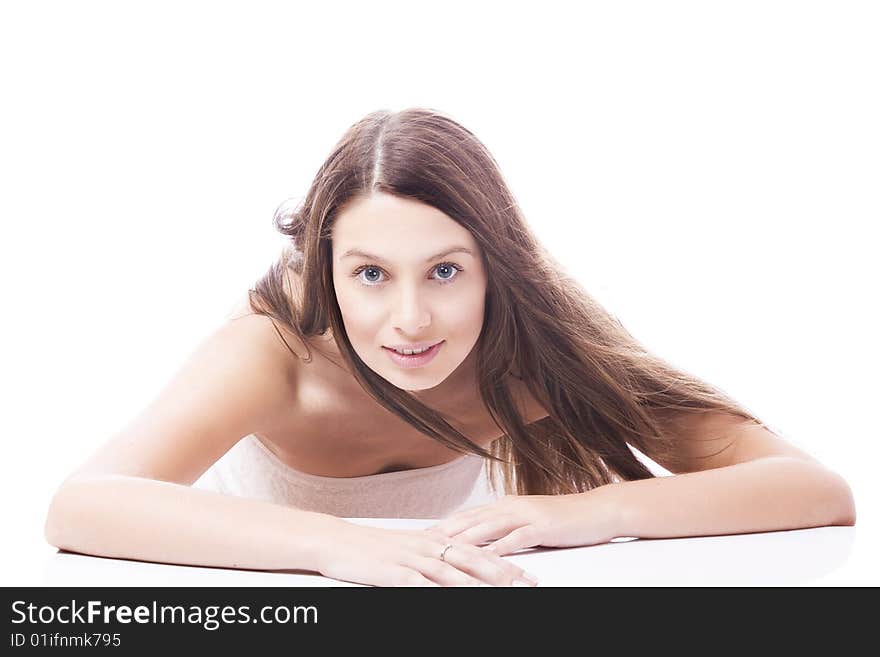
(709, 171)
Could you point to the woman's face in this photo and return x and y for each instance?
(405, 273)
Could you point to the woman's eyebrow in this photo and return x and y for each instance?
(444, 252)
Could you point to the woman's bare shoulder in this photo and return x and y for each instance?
(273, 334)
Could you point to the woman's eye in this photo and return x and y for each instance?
(371, 271)
(446, 273)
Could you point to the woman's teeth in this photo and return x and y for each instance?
(410, 352)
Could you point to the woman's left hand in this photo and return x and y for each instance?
(515, 522)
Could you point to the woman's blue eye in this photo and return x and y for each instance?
(450, 271)
(371, 269)
(447, 273)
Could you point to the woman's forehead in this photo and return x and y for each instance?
(388, 227)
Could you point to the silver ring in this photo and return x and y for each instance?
(443, 553)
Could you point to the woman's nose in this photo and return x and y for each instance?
(410, 311)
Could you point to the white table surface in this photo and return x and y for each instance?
(811, 557)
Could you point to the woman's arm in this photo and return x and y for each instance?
(767, 494)
(757, 483)
(136, 518)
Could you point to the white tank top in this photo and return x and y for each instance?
(250, 469)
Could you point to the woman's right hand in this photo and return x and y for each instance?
(393, 557)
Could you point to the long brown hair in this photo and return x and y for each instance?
(602, 389)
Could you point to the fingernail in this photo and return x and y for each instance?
(530, 577)
(519, 582)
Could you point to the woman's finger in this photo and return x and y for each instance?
(518, 539)
(444, 572)
(460, 521)
(487, 567)
(488, 530)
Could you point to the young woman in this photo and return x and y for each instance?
(307, 407)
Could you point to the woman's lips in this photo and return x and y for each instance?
(416, 360)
